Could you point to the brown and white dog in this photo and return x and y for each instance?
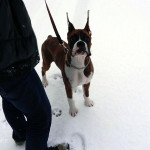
(76, 66)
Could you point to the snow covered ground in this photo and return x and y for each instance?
(120, 88)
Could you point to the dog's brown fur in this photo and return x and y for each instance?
(53, 51)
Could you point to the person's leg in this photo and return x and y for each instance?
(28, 95)
(16, 120)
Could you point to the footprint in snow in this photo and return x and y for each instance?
(77, 90)
(57, 112)
(56, 76)
(4, 123)
(77, 142)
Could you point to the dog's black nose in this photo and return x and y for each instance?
(80, 44)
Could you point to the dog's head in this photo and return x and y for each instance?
(79, 40)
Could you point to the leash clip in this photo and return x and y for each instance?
(65, 48)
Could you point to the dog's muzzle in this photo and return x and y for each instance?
(82, 48)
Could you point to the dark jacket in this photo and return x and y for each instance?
(18, 45)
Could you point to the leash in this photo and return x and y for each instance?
(55, 29)
(61, 42)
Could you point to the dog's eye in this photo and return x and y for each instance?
(74, 38)
(71, 40)
(87, 39)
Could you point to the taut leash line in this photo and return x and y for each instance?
(54, 26)
(55, 29)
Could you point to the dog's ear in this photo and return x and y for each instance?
(87, 28)
(70, 25)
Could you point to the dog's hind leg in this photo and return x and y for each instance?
(44, 79)
(47, 60)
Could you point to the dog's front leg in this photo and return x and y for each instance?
(88, 101)
(72, 110)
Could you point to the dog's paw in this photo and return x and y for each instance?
(57, 76)
(45, 83)
(73, 111)
(89, 103)
(57, 112)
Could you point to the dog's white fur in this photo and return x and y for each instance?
(73, 110)
(44, 80)
(77, 78)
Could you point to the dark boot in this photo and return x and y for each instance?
(60, 147)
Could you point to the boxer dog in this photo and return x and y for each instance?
(75, 65)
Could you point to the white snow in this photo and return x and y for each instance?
(120, 88)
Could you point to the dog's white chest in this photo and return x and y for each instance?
(77, 77)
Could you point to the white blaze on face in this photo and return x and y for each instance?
(77, 59)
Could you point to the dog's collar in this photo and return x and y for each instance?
(75, 67)
(66, 59)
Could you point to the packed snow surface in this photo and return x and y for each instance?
(120, 88)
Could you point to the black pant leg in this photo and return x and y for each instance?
(28, 96)
(16, 120)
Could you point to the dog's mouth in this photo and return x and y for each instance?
(80, 51)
